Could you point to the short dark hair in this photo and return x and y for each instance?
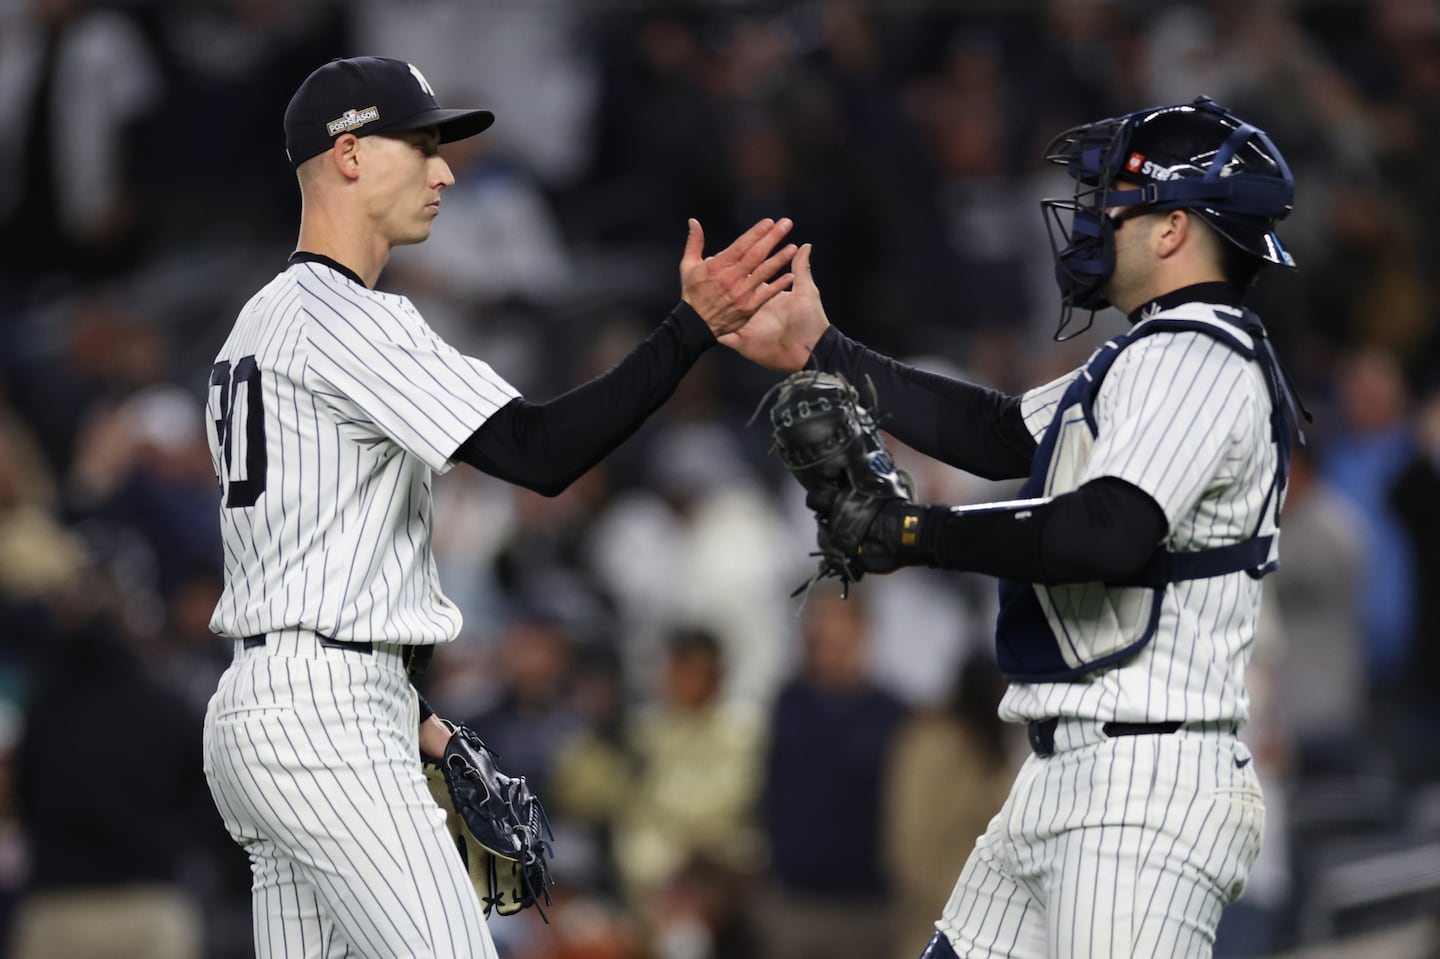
(1238, 266)
(692, 640)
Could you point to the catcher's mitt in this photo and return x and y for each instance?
(831, 443)
(506, 836)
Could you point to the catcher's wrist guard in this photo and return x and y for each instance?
(831, 443)
(896, 537)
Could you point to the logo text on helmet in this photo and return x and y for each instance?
(1157, 172)
(420, 79)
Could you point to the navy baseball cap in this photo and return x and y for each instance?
(365, 95)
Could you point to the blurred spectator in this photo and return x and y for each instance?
(1395, 52)
(1258, 923)
(144, 485)
(105, 880)
(1319, 666)
(499, 252)
(1370, 288)
(928, 623)
(527, 63)
(975, 261)
(700, 545)
(1082, 53)
(692, 796)
(1415, 499)
(97, 349)
(533, 714)
(1373, 445)
(183, 653)
(658, 153)
(593, 774)
(542, 559)
(75, 79)
(38, 554)
(1184, 53)
(832, 738)
(142, 173)
(513, 548)
(233, 65)
(702, 913)
(951, 772)
(13, 854)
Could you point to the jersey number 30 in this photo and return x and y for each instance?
(235, 404)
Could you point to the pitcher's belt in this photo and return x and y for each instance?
(413, 659)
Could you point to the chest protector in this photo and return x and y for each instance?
(1062, 633)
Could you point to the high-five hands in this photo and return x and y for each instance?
(726, 289)
(782, 333)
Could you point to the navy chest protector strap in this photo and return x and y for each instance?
(1027, 649)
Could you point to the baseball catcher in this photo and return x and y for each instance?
(831, 443)
(499, 825)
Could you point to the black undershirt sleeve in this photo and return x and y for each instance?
(966, 426)
(547, 446)
(1104, 532)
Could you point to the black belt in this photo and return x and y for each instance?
(250, 642)
(1041, 732)
(415, 658)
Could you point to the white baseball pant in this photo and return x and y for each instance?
(312, 757)
(1112, 848)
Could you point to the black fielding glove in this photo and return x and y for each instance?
(504, 818)
(831, 443)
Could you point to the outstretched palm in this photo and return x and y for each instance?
(782, 333)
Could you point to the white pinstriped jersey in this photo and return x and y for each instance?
(1187, 420)
(330, 407)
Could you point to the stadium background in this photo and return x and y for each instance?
(903, 137)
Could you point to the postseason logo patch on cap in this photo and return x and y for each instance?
(352, 120)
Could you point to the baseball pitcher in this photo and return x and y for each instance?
(331, 407)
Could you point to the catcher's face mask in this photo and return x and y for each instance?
(1195, 156)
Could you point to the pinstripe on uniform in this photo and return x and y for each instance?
(351, 403)
(362, 403)
(1157, 832)
(1186, 420)
(1094, 854)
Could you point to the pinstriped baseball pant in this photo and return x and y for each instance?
(1125, 847)
(313, 761)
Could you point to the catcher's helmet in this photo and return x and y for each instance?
(1194, 156)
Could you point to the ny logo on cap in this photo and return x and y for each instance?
(420, 79)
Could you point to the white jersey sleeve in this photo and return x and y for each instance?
(386, 375)
(1038, 405)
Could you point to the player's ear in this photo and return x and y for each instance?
(345, 154)
(1172, 229)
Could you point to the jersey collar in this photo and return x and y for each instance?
(1216, 291)
(301, 256)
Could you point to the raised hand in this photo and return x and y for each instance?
(726, 289)
(782, 333)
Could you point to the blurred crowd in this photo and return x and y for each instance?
(732, 771)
